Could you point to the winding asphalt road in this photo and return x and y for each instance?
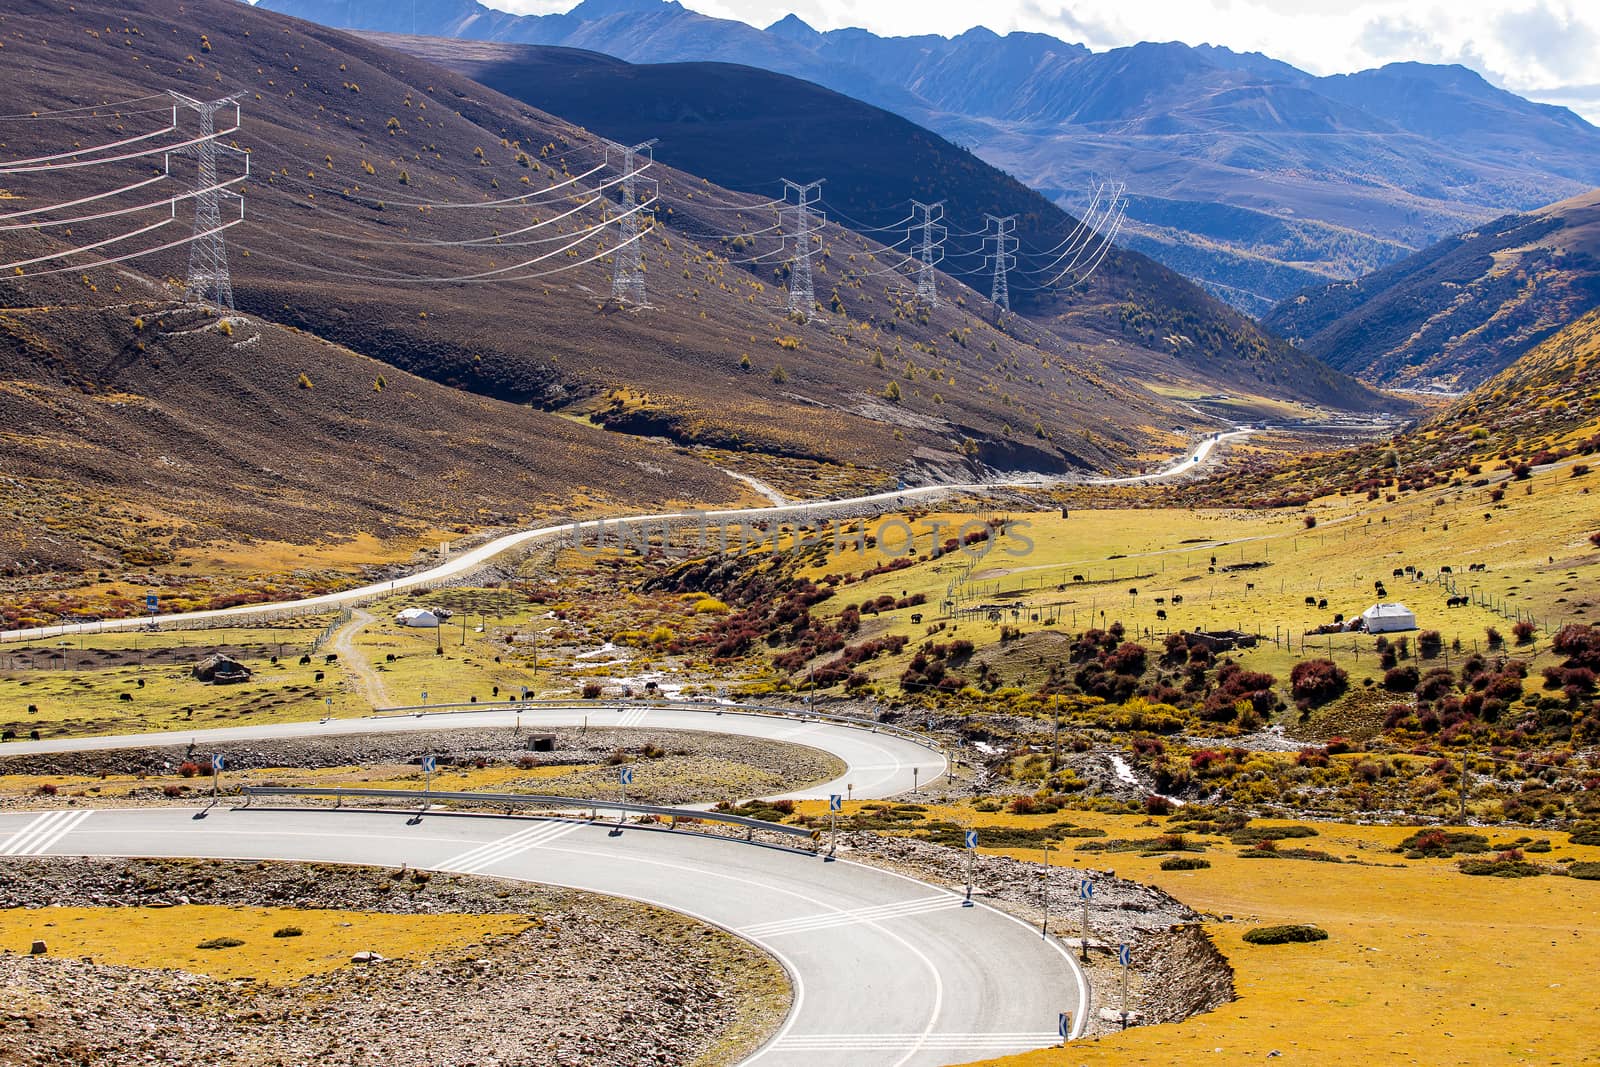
(476, 558)
(887, 971)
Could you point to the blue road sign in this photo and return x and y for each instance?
(1124, 956)
(1085, 889)
(152, 603)
(1063, 1024)
(835, 802)
(625, 775)
(428, 764)
(972, 839)
(218, 763)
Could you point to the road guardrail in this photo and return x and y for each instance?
(514, 800)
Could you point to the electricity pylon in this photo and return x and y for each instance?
(209, 281)
(627, 272)
(1004, 237)
(929, 248)
(802, 293)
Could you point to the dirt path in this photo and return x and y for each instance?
(355, 661)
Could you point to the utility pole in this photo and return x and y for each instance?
(209, 281)
(627, 271)
(1001, 260)
(802, 293)
(929, 249)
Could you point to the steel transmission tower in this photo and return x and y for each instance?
(627, 273)
(1004, 238)
(802, 293)
(209, 281)
(929, 248)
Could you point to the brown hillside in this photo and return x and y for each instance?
(136, 431)
(350, 138)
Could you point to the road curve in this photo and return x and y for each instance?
(476, 558)
(877, 764)
(887, 971)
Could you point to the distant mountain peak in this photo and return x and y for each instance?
(599, 9)
(794, 28)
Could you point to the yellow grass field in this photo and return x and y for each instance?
(166, 937)
(1452, 968)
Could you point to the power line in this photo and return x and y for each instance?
(209, 281)
(929, 250)
(802, 293)
(627, 276)
(1002, 232)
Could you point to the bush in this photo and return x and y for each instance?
(1189, 863)
(188, 769)
(220, 942)
(1441, 843)
(1523, 632)
(591, 690)
(288, 931)
(1589, 871)
(1501, 867)
(1293, 933)
(47, 790)
(1317, 681)
(1402, 679)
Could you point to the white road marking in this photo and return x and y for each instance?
(43, 832)
(895, 1042)
(474, 860)
(853, 916)
(632, 717)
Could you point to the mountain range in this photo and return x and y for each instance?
(1462, 311)
(428, 335)
(1245, 173)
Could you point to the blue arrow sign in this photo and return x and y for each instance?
(218, 763)
(1124, 956)
(625, 775)
(428, 764)
(835, 802)
(1085, 889)
(1063, 1024)
(972, 839)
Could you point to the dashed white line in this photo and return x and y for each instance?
(41, 833)
(853, 916)
(475, 860)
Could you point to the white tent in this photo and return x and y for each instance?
(1388, 618)
(418, 617)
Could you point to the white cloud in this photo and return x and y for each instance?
(1527, 46)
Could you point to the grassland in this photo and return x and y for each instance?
(167, 937)
(1451, 968)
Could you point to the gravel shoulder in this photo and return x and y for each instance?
(589, 979)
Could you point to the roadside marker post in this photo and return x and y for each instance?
(428, 765)
(327, 703)
(1124, 957)
(624, 780)
(217, 763)
(914, 772)
(972, 856)
(1085, 894)
(1044, 927)
(835, 804)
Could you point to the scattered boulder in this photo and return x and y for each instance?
(218, 669)
(366, 957)
(37, 949)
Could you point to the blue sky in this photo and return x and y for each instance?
(1544, 49)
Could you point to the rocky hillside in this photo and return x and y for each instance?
(1462, 311)
(1251, 176)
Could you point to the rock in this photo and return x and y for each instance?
(366, 957)
(219, 669)
(37, 949)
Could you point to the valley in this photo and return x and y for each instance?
(638, 538)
